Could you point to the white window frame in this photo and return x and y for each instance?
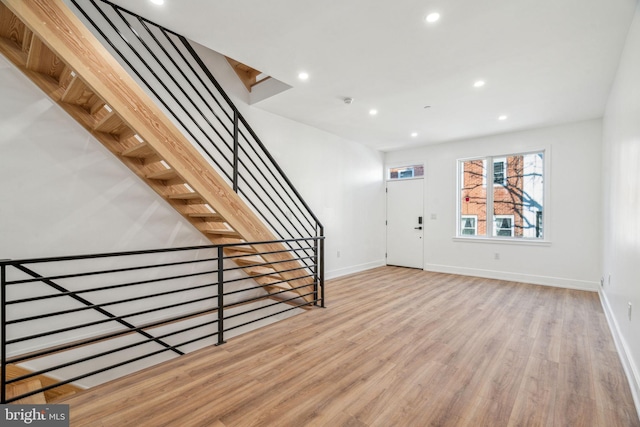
(489, 237)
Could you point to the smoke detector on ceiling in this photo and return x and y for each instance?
(348, 101)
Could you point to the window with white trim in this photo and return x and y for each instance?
(513, 206)
(406, 172)
(469, 225)
(503, 225)
(500, 171)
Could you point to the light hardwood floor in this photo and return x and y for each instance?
(395, 347)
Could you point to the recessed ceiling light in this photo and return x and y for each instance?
(414, 134)
(432, 17)
(478, 83)
(158, 2)
(503, 117)
(373, 112)
(303, 76)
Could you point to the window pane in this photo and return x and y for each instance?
(499, 171)
(473, 193)
(520, 196)
(468, 226)
(406, 172)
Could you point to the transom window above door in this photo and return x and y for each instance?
(405, 172)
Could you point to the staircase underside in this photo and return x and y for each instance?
(51, 47)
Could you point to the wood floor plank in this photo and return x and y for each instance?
(395, 347)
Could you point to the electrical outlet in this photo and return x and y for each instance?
(602, 282)
(629, 310)
(496, 255)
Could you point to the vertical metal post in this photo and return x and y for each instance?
(3, 326)
(235, 150)
(316, 268)
(322, 266)
(220, 296)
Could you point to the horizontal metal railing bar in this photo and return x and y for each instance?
(117, 365)
(266, 317)
(107, 304)
(61, 289)
(105, 337)
(110, 287)
(150, 251)
(270, 305)
(245, 255)
(266, 264)
(105, 353)
(267, 274)
(271, 284)
(271, 263)
(261, 297)
(99, 322)
(116, 270)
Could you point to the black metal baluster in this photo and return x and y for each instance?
(221, 296)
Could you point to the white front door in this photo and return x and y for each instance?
(405, 223)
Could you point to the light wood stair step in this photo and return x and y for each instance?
(113, 124)
(184, 196)
(222, 233)
(27, 386)
(162, 175)
(253, 261)
(51, 395)
(141, 151)
(264, 272)
(240, 250)
(210, 216)
(78, 93)
(42, 60)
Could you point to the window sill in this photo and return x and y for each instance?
(503, 241)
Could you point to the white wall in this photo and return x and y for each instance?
(342, 181)
(570, 259)
(621, 225)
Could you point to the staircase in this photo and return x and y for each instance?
(46, 41)
(266, 229)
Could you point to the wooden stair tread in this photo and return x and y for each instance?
(27, 386)
(14, 371)
(269, 273)
(253, 261)
(239, 250)
(162, 174)
(111, 123)
(141, 150)
(213, 216)
(184, 196)
(225, 233)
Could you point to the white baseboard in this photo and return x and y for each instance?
(353, 269)
(630, 369)
(558, 282)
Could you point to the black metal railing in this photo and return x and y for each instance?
(168, 67)
(77, 319)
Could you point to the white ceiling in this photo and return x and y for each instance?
(544, 61)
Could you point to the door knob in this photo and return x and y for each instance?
(417, 228)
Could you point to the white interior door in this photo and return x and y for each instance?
(405, 223)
